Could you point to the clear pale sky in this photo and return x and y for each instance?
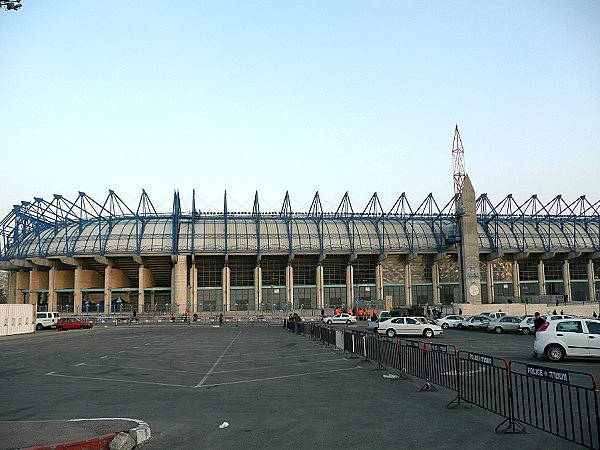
(305, 96)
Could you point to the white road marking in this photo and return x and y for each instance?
(270, 367)
(54, 374)
(217, 361)
(139, 368)
(276, 378)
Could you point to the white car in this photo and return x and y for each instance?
(46, 319)
(526, 325)
(372, 325)
(340, 318)
(574, 337)
(408, 326)
(449, 321)
(470, 323)
(493, 315)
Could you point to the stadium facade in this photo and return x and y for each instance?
(83, 255)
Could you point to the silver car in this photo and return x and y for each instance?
(470, 323)
(449, 321)
(506, 323)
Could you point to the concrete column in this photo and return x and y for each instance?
(379, 281)
(226, 289)
(107, 288)
(52, 297)
(145, 280)
(289, 284)
(320, 287)
(179, 289)
(516, 279)
(408, 284)
(22, 284)
(591, 281)
(78, 284)
(12, 287)
(435, 281)
(567, 279)
(469, 244)
(541, 278)
(349, 286)
(489, 272)
(258, 288)
(193, 281)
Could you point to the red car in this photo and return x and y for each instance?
(69, 323)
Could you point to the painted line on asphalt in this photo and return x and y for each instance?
(256, 380)
(277, 367)
(217, 361)
(54, 374)
(138, 368)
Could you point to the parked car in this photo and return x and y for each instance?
(46, 319)
(372, 325)
(526, 325)
(573, 337)
(340, 318)
(470, 323)
(559, 317)
(70, 323)
(493, 315)
(408, 326)
(449, 321)
(502, 324)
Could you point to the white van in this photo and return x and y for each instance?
(494, 315)
(46, 319)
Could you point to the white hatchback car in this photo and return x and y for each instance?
(573, 337)
(340, 318)
(408, 326)
(449, 321)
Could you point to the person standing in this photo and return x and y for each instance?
(322, 314)
(538, 322)
(221, 323)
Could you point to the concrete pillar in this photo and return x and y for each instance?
(145, 280)
(193, 282)
(78, 284)
(567, 278)
(516, 279)
(349, 286)
(12, 287)
(179, 288)
(469, 244)
(408, 284)
(435, 281)
(289, 284)
(489, 272)
(52, 297)
(379, 281)
(541, 278)
(107, 288)
(320, 287)
(226, 289)
(591, 281)
(22, 284)
(258, 288)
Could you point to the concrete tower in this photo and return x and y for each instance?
(469, 244)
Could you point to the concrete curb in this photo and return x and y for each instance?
(139, 434)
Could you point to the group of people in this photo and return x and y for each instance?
(360, 313)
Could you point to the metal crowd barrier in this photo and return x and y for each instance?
(562, 403)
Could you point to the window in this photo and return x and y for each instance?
(398, 320)
(570, 327)
(593, 327)
(412, 321)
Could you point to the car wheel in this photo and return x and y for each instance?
(555, 352)
(459, 326)
(428, 333)
(348, 322)
(391, 333)
(59, 328)
(471, 327)
(498, 330)
(39, 326)
(526, 331)
(329, 322)
(82, 327)
(445, 326)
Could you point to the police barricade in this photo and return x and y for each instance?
(482, 381)
(440, 366)
(560, 402)
(412, 358)
(389, 352)
(348, 342)
(359, 338)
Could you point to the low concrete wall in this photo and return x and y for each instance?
(520, 309)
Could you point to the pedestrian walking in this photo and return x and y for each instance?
(221, 322)
(538, 321)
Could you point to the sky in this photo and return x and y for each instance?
(298, 96)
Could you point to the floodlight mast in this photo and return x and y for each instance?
(10, 5)
(458, 161)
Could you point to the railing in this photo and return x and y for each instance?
(560, 402)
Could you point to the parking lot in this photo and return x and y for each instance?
(274, 389)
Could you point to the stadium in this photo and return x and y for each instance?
(82, 255)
